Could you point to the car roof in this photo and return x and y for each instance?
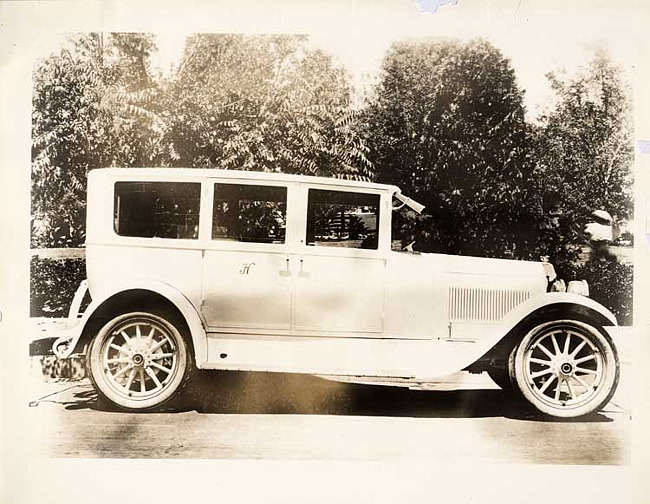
(203, 173)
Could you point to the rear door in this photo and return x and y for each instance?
(246, 278)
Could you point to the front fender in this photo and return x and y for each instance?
(535, 308)
(558, 299)
(64, 346)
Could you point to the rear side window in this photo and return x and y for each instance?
(249, 213)
(342, 219)
(157, 209)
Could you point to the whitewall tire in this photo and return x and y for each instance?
(565, 368)
(138, 361)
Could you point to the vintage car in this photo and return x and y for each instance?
(234, 270)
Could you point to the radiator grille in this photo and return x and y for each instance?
(470, 303)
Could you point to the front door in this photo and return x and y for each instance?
(339, 269)
(246, 277)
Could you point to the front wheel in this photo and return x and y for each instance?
(138, 361)
(566, 368)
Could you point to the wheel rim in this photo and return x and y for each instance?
(564, 367)
(139, 358)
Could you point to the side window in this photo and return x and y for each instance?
(249, 213)
(157, 209)
(342, 219)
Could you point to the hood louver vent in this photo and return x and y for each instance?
(470, 303)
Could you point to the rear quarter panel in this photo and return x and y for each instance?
(110, 266)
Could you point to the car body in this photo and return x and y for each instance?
(234, 270)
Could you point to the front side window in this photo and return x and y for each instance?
(249, 213)
(342, 219)
(157, 209)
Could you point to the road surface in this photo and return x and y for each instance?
(272, 416)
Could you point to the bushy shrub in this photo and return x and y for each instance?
(610, 283)
(53, 283)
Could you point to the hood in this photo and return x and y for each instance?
(487, 266)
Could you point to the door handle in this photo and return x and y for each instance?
(302, 273)
(285, 272)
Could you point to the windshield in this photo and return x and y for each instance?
(405, 229)
(405, 200)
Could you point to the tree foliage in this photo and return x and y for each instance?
(584, 154)
(88, 112)
(264, 103)
(447, 125)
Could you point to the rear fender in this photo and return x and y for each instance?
(67, 342)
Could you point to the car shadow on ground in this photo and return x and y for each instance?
(219, 392)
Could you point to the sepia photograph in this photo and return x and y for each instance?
(403, 234)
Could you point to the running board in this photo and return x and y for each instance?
(338, 356)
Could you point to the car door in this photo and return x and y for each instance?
(246, 278)
(339, 284)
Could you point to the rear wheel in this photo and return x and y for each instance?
(565, 368)
(138, 361)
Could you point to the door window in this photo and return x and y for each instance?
(342, 219)
(157, 209)
(249, 213)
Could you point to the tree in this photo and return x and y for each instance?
(265, 103)
(89, 111)
(584, 154)
(446, 123)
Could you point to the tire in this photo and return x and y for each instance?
(565, 369)
(139, 361)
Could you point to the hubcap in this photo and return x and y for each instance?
(139, 358)
(563, 367)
